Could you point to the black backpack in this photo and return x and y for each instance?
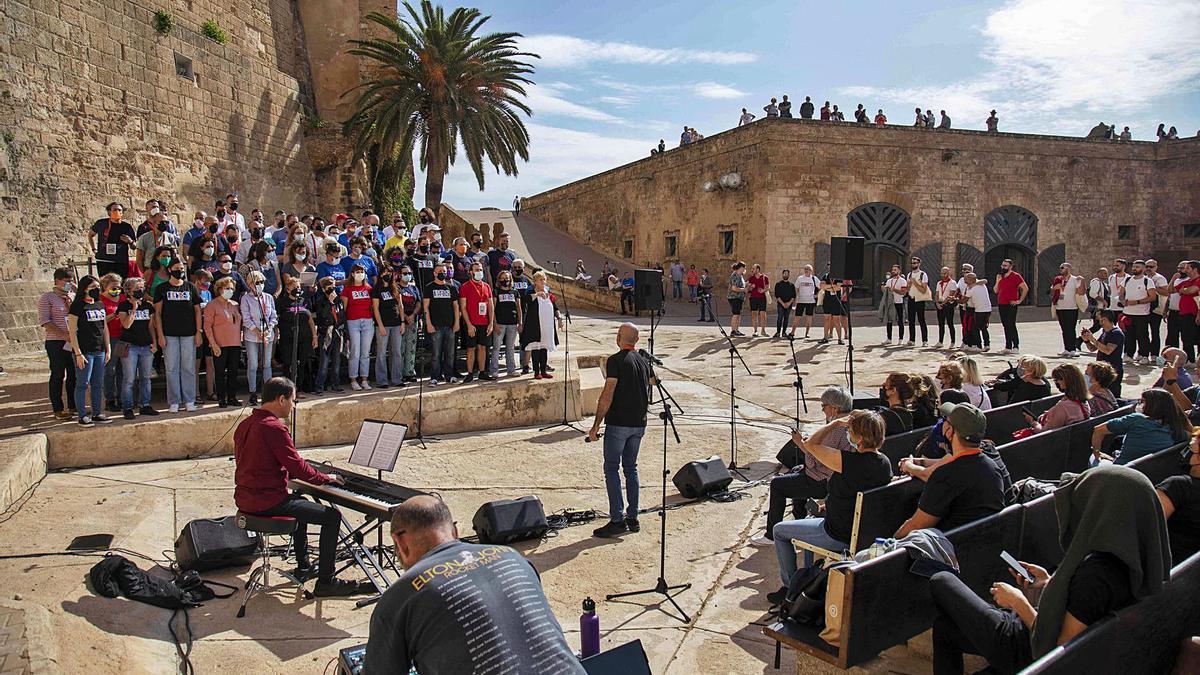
(115, 576)
(805, 600)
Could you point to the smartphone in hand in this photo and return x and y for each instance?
(1016, 567)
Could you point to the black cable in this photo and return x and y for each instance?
(185, 653)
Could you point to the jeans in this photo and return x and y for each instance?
(1066, 326)
(253, 351)
(136, 366)
(945, 317)
(226, 368)
(916, 313)
(782, 314)
(112, 380)
(797, 486)
(1138, 335)
(1008, 319)
(808, 530)
(442, 356)
(62, 368)
(506, 337)
(621, 446)
(306, 512)
(360, 333)
(329, 366)
(390, 340)
(677, 289)
(692, 290)
(965, 624)
(627, 297)
(179, 359)
(91, 373)
(899, 307)
(408, 349)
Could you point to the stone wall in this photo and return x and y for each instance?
(803, 178)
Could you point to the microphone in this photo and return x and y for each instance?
(652, 358)
(553, 262)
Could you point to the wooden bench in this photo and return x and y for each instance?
(877, 513)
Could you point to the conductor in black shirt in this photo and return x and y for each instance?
(622, 408)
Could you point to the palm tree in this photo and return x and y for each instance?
(438, 81)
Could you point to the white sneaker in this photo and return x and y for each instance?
(366, 386)
(987, 348)
(433, 382)
(191, 407)
(924, 343)
(1137, 360)
(938, 345)
(761, 541)
(885, 343)
(173, 408)
(355, 385)
(910, 343)
(1073, 354)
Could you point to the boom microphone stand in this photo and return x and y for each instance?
(420, 434)
(661, 587)
(653, 314)
(566, 375)
(799, 383)
(849, 342)
(733, 351)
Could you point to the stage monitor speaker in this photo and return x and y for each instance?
(846, 257)
(508, 520)
(648, 290)
(865, 401)
(213, 543)
(628, 659)
(702, 478)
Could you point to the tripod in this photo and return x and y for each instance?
(566, 356)
(733, 351)
(799, 383)
(849, 342)
(294, 307)
(661, 587)
(658, 313)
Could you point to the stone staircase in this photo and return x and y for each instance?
(20, 334)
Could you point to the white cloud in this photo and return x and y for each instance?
(544, 100)
(1056, 62)
(620, 101)
(716, 90)
(566, 51)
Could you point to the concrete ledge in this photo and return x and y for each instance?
(22, 465)
(585, 294)
(320, 421)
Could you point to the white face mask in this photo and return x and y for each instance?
(301, 256)
(259, 287)
(227, 293)
(225, 267)
(478, 276)
(209, 250)
(197, 223)
(359, 276)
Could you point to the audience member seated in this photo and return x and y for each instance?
(925, 401)
(459, 607)
(853, 472)
(1072, 407)
(1171, 383)
(897, 393)
(935, 448)
(1180, 497)
(1100, 377)
(1157, 425)
(1176, 358)
(1029, 384)
(1116, 552)
(809, 480)
(972, 382)
(964, 486)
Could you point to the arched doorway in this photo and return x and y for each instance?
(886, 230)
(1011, 232)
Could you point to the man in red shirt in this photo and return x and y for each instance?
(475, 302)
(1011, 290)
(1189, 295)
(266, 458)
(757, 286)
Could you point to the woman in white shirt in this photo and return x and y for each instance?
(972, 384)
(1067, 290)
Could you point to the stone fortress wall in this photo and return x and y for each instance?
(948, 196)
(96, 105)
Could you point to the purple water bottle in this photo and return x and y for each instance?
(589, 629)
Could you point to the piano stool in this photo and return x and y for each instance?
(266, 527)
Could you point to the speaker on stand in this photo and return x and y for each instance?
(648, 290)
(846, 262)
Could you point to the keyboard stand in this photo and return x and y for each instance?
(350, 539)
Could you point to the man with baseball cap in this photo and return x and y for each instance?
(966, 485)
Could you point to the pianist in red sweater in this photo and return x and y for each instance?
(266, 458)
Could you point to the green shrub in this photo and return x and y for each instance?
(163, 21)
(214, 32)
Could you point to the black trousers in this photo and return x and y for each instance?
(705, 310)
(1189, 335)
(539, 358)
(975, 329)
(62, 366)
(1008, 319)
(1173, 325)
(945, 317)
(226, 366)
(965, 624)
(1155, 334)
(797, 486)
(782, 314)
(301, 370)
(899, 307)
(916, 313)
(311, 513)
(1066, 326)
(627, 297)
(1139, 335)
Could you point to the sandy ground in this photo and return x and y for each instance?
(146, 505)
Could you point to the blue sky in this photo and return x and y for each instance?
(616, 76)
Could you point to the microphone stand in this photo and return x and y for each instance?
(849, 342)
(799, 383)
(293, 367)
(661, 587)
(420, 435)
(733, 351)
(567, 353)
(659, 313)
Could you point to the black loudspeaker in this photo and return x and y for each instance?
(648, 290)
(213, 543)
(702, 478)
(508, 520)
(865, 401)
(846, 257)
(628, 659)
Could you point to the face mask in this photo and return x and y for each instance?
(231, 238)
(94, 293)
(336, 260)
(424, 249)
(208, 250)
(396, 262)
(258, 218)
(220, 213)
(358, 277)
(461, 248)
(212, 228)
(298, 237)
(294, 292)
(259, 287)
(69, 287)
(505, 284)
(162, 226)
(227, 293)
(256, 234)
(301, 256)
(233, 206)
(386, 278)
(478, 276)
(164, 261)
(138, 295)
(178, 274)
(477, 244)
(518, 272)
(116, 292)
(225, 267)
(197, 223)
(407, 277)
(441, 276)
(1087, 380)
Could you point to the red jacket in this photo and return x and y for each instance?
(266, 458)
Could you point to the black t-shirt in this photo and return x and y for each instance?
(632, 394)
(498, 261)
(963, 490)
(923, 416)
(1020, 389)
(389, 305)
(1099, 587)
(1184, 524)
(861, 471)
(506, 307)
(138, 332)
(90, 326)
(442, 298)
(293, 316)
(1113, 337)
(785, 290)
(524, 286)
(109, 247)
(178, 314)
(895, 420)
(422, 267)
(460, 267)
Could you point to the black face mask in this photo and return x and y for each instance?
(256, 234)
(138, 295)
(162, 227)
(94, 293)
(220, 213)
(231, 238)
(178, 274)
(424, 250)
(233, 206)
(295, 292)
(441, 276)
(477, 244)
(386, 278)
(518, 273)
(212, 228)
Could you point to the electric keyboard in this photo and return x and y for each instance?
(370, 496)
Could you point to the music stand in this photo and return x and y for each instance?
(377, 447)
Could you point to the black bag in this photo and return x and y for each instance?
(805, 600)
(115, 576)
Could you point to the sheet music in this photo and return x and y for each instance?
(387, 447)
(364, 446)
